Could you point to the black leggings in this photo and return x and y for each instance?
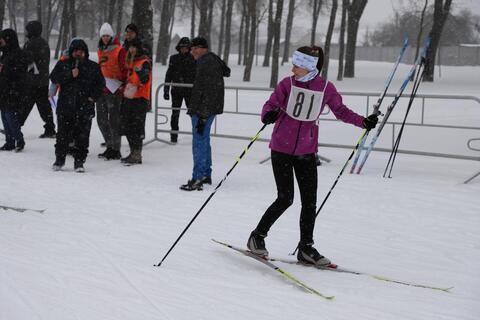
(305, 168)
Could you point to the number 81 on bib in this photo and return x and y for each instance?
(304, 104)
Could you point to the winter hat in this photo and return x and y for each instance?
(34, 29)
(106, 30)
(199, 42)
(183, 43)
(132, 27)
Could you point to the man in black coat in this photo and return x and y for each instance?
(206, 102)
(181, 69)
(13, 71)
(37, 84)
(81, 84)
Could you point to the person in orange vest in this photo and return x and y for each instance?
(136, 97)
(112, 61)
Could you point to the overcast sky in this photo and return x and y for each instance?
(378, 11)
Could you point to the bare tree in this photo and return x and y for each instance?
(26, 10)
(440, 14)
(268, 45)
(52, 12)
(240, 38)
(142, 15)
(64, 30)
(39, 11)
(210, 19)
(328, 38)
(2, 13)
(228, 27)
(246, 33)
(316, 6)
(252, 12)
(355, 12)
(12, 13)
(119, 9)
(222, 27)
(192, 19)
(276, 44)
(72, 18)
(288, 31)
(111, 11)
(163, 43)
(203, 24)
(341, 40)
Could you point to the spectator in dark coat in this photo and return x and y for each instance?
(37, 91)
(13, 72)
(206, 102)
(181, 69)
(81, 84)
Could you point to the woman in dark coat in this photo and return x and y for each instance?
(13, 71)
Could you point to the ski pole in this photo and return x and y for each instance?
(377, 105)
(212, 194)
(338, 177)
(416, 85)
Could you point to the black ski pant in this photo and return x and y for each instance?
(305, 169)
(132, 118)
(39, 96)
(108, 119)
(178, 95)
(76, 129)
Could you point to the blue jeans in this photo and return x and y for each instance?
(12, 127)
(201, 149)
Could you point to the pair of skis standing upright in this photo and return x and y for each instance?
(417, 72)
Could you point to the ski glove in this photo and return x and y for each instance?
(271, 116)
(166, 95)
(370, 122)
(201, 125)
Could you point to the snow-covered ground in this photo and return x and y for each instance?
(90, 255)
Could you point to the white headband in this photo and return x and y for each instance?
(304, 61)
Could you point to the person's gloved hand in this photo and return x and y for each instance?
(370, 122)
(166, 95)
(271, 116)
(201, 125)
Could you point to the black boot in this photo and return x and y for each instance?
(78, 166)
(256, 244)
(58, 164)
(7, 147)
(309, 255)
(192, 185)
(20, 145)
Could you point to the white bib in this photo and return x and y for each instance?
(304, 104)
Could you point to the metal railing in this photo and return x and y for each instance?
(368, 105)
(469, 146)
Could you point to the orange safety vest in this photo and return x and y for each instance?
(143, 90)
(108, 61)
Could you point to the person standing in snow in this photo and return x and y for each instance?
(294, 107)
(181, 69)
(206, 102)
(112, 60)
(136, 96)
(81, 84)
(37, 91)
(13, 73)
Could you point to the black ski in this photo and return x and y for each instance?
(335, 268)
(21, 209)
(269, 264)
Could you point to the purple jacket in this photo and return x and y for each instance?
(296, 137)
